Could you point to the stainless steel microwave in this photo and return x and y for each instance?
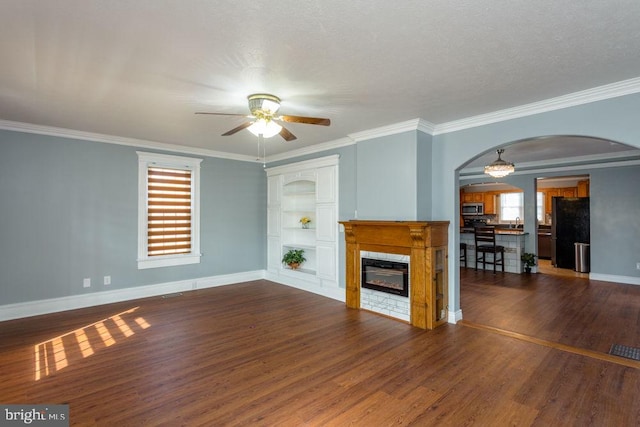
(473, 209)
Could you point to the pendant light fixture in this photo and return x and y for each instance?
(499, 168)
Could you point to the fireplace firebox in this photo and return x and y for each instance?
(386, 276)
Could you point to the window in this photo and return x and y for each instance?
(511, 206)
(168, 210)
(540, 206)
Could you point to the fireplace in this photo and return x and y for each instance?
(386, 276)
(422, 245)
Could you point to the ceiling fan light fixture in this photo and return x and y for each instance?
(263, 102)
(266, 128)
(499, 168)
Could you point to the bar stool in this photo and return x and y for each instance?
(485, 238)
(463, 254)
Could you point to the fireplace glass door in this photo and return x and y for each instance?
(385, 276)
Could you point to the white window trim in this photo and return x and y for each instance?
(153, 159)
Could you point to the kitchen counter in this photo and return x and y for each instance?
(513, 241)
(498, 231)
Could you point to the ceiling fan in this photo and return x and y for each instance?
(263, 117)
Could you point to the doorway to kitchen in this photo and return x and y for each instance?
(563, 228)
(545, 267)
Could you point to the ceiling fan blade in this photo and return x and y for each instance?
(288, 136)
(306, 120)
(237, 129)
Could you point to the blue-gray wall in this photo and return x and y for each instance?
(387, 177)
(68, 211)
(424, 176)
(615, 221)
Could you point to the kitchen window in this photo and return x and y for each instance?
(512, 207)
(168, 210)
(540, 207)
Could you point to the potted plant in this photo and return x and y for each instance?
(305, 220)
(529, 260)
(293, 258)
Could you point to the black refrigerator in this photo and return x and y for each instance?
(569, 225)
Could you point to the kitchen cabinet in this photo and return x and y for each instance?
(583, 188)
(550, 193)
(490, 203)
(473, 197)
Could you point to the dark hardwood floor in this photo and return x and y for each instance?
(570, 310)
(259, 353)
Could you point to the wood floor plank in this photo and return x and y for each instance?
(262, 354)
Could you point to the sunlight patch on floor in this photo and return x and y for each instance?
(57, 353)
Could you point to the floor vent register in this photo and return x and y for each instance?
(625, 351)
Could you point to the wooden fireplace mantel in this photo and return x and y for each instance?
(426, 244)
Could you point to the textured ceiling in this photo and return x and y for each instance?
(140, 69)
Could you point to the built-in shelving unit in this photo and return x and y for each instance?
(298, 201)
(304, 189)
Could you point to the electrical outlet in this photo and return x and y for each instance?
(86, 283)
(638, 266)
(107, 280)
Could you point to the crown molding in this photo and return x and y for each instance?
(613, 90)
(312, 149)
(426, 127)
(406, 126)
(112, 139)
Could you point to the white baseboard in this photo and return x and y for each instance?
(454, 316)
(613, 278)
(333, 292)
(229, 279)
(53, 305)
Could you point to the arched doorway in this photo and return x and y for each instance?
(546, 166)
(610, 175)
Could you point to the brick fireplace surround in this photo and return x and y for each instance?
(417, 239)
